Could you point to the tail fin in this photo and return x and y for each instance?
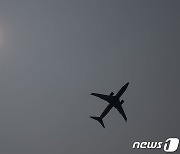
(99, 119)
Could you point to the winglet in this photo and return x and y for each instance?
(99, 119)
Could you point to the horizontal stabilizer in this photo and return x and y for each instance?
(99, 119)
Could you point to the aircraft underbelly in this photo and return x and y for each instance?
(106, 110)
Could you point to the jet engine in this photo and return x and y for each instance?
(111, 94)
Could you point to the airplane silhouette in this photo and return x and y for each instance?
(113, 102)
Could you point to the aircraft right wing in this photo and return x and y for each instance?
(121, 111)
(102, 96)
(122, 90)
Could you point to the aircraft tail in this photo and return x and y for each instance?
(99, 119)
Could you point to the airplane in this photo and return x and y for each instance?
(113, 102)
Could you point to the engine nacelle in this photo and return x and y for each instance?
(111, 94)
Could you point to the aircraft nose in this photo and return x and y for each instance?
(127, 84)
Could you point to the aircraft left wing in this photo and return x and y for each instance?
(121, 111)
(102, 96)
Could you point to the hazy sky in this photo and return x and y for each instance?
(53, 54)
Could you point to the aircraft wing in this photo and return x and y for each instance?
(122, 90)
(121, 111)
(102, 96)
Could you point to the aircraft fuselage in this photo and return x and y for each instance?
(113, 102)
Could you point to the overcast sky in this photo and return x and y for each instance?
(53, 54)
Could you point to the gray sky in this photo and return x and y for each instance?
(53, 54)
